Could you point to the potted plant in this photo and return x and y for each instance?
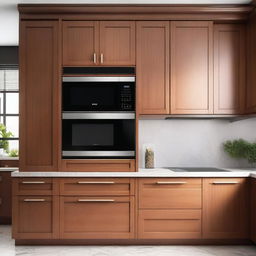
(4, 135)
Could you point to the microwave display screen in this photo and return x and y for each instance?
(92, 134)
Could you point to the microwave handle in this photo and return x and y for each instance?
(98, 79)
(83, 115)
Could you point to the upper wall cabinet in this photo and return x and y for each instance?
(89, 43)
(191, 67)
(152, 65)
(39, 113)
(229, 68)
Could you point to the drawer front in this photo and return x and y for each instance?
(96, 217)
(35, 186)
(170, 193)
(169, 224)
(97, 186)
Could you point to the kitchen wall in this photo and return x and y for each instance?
(193, 142)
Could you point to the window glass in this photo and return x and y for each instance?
(12, 103)
(12, 125)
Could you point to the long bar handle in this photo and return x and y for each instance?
(94, 58)
(101, 58)
(224, 182)
(96, 200)
(33, 182)
(170, 182)
(96, 182)
(34, 200)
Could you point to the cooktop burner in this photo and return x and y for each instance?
(196, 169)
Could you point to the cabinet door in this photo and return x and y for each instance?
(80, 43)
(251, 63)
(35, 217)
(229, 69)
(96, 217)
(225, 208)
(191, 67)
(253, 210)
(117, 43)
(39, 96)
(152, 63)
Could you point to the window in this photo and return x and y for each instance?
(9, 104)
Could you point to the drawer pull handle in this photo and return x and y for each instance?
(34, 200)
(171, 182)
(224, 182)
(33, 182)
(96, 182)
(96, 200)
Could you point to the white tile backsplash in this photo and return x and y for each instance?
(193, 142)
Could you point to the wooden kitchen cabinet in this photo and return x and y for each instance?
(229, 68)
(225, 208)
(191, 67)
(253, 210)
(89, 43)
(39, 92)
(152, 63)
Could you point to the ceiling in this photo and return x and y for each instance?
(9, 14)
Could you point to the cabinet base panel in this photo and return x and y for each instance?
(5, 220)
(132, 242)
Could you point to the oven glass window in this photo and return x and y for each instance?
(92, 135)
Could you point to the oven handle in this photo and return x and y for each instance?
(92, 115)
(98, 79)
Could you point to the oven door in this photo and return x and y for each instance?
(101, 135)
(98, 94)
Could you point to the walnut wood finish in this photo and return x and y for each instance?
(168, 224)
(9, 163)
(170, 193)
(97, 186)
(5, 198)
(152, 63)
(39, 96)
(80, 43)
(117, 43)
(191, 67)
(251, 62)
(225, 208)
(253, 211)
(96, 165)
(229, 69)
(97, 217)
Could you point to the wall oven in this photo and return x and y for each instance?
(98, 135)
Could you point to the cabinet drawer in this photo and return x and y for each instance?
(170, 193)
(97, 186)
(35, 186)
(169, 224)
(96, 217)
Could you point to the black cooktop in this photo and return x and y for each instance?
(196, 169)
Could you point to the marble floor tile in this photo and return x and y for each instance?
(7, 248)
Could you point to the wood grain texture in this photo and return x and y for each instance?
(9, 163)
(169, 224)
(229, 69)
(253, 211)
(117, 43)
(251, 62)
(80, 43)
(152, 63)
(97, 220)
(225, 209)
(191, 67)
(97, 186)
(39, 96)
(98, 165)
(170, 196)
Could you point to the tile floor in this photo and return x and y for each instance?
(7, 248)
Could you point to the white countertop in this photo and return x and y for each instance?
(150, 173)
(9, 169)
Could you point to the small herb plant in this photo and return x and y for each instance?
(241, 149)
(13, 153)
(4, 134)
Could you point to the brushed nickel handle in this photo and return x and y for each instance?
(34, 200)
(170, 182)
(33, 182)
(101, 58)
(96, 200)
(94, 58)
(224, 182)
(96, 182)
